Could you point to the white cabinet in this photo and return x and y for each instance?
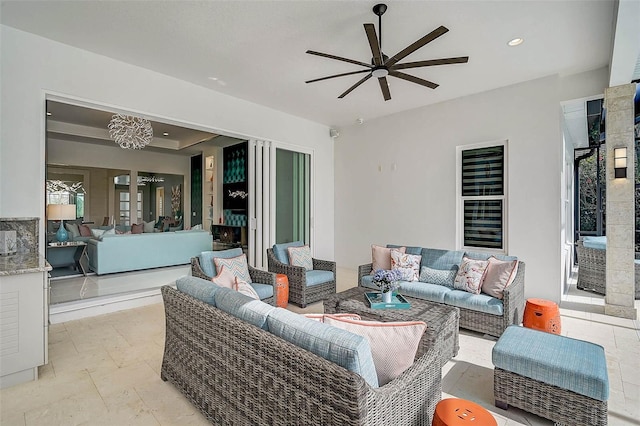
(208, 189)
(24, 326)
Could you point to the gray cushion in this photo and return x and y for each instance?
(315, 277)
(572, 364)
(425, 291)
(438, 276)
(486, 256)
(281, 253)
(441, 259)
(197, 287)
(595, 242)
(264, 290)
(476, 302)
(410, 249)
(244, 307)
(206, 259)
(342, 347)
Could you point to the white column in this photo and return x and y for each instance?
(620, 286)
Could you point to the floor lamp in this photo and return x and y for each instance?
(61, 212)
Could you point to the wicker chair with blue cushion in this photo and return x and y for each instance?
(305, 286)
(263, 282)
(592, 266)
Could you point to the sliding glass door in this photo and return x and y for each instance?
(293, 198)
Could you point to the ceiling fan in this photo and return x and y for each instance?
(381, 65)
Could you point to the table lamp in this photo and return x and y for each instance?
(61, 212)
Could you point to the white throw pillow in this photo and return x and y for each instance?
(407, 264)
(148, 226)
(301, 256)
(97, 233)
(470, 275)
(246, 289)
(393, 344)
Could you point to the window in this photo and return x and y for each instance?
(481, 197)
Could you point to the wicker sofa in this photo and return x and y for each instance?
(592, 261)
(498, 315)
(238, 373)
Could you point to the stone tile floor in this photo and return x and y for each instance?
(105, 370)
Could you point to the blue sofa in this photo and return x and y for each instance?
(478, 312)
(133, 252)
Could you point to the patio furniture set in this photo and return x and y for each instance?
(328, 373)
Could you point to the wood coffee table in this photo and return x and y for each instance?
(442, 321)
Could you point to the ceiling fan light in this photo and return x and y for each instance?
(380, 72)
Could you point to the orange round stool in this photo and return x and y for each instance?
(282, 289)
(542, 315)
(460, 412)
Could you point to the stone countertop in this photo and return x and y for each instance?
(23, 263)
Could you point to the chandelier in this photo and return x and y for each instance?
(130, 132)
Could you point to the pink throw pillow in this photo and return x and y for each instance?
(381, 256)
(137, 229)
(393, 344)
(225, 278)
(85, 231)
(321, 317)
(499, 275)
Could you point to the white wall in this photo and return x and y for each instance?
(412, 199)
(33, 66)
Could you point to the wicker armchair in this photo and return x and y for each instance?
(257, 276)
(299, 292)
(592, 271)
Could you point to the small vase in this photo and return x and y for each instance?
(386, 297)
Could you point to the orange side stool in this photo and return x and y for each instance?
(460, 412)
(282, 289)
(543, 315)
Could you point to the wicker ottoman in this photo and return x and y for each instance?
(555, 377)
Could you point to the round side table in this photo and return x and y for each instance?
(460, 412)
(282, 289)
(543, 315)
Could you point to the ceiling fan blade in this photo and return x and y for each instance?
(370, 29)
(432, 62)
(350, 89)
(338, 58)
(413, 79)
(337, 75)
(384, 86)
(417, 45)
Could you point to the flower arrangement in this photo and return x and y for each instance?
(386, 280)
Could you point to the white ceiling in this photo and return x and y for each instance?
(256, 49)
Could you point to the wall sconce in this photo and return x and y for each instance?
(620, 162)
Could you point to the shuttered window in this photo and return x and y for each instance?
(482, 196)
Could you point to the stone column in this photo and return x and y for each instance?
(620, 287)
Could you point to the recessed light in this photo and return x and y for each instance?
(213, 78)
(165, 134)
(48, 113)
(516, 41)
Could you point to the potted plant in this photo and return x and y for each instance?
(387, 282)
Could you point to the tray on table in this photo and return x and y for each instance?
(397, 301)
